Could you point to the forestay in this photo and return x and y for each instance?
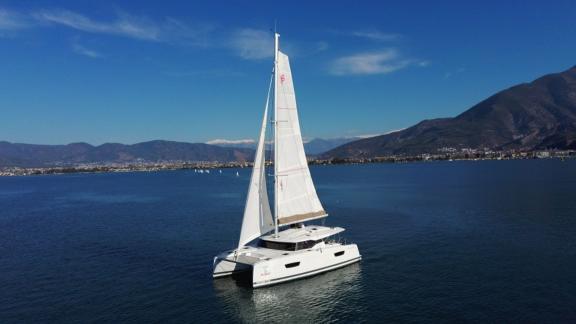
(297, 198)
(257, 215)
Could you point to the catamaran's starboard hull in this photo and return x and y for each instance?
(280, 268)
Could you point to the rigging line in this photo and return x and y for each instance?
(268, 129)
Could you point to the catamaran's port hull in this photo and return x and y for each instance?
(225, 267)
(289, 266)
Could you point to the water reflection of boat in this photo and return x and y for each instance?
(309, 300)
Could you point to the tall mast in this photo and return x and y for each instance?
(276, 182)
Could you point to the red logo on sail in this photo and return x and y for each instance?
(282, 78)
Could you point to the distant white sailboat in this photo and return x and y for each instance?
(237, 174)
(274, 255)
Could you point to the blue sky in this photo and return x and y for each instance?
(131, 71)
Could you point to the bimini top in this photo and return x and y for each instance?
(301, 234)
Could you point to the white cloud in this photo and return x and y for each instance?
(252, 44)
(258, 44)
(125, 26)
(169, 30)
(378, 62)
(79, 49)
(368, 34)
(220, 141)
(247, 43)
(10, 20)
(375, 35)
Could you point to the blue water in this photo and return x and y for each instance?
(490, 241)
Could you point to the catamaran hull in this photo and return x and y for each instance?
(309, 263)
(295, 265)
(225, 266)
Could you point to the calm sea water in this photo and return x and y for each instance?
(491, 241)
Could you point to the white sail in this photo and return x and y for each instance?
(257, 215)
(296, 196)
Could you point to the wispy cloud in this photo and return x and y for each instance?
(246, 43)
(377, 62)
(375, 35)
(125, 26)
(368, 34)
(220, 141)
(168, 30)
(79, 49)
(258, 44)
(10, 20)
(252, 44)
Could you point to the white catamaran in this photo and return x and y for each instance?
(272, 255)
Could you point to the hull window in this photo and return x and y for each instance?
(337, 254)
(292, 265)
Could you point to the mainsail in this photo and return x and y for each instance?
(257, 216)
(297, 200)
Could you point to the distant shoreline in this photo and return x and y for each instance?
(180, 165)
(454, 156)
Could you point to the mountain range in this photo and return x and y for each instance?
(312, 147)
(529, 116)
(32, 155)
(36, 155)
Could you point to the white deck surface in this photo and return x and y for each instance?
(308, 233)
(252, 254)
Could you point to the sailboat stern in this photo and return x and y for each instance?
(226, 264)
(236, 261)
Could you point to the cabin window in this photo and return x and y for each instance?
(288, 246)
(306, 244)
(337, 254)
(292, 265)
(277, 245)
